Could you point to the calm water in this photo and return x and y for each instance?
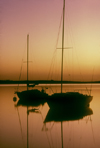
(83, 133)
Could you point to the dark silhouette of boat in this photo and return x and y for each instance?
(78, 99)
(31, 98)
(72, 99)
(34, 95)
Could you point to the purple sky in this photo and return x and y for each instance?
(41, 19)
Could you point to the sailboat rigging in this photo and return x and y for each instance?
(74, 99)
(33, 96)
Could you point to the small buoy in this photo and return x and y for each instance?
(14, 99)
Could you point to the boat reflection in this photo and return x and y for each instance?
(34, 109)
(67, 114)
(62, 113)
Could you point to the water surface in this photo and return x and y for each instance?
(82, 133)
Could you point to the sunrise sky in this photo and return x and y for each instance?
(41, 20)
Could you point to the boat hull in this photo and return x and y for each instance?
(31, 98)
(71, 99)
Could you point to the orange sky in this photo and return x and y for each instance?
(41, 19)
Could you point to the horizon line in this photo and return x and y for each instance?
(36, 82)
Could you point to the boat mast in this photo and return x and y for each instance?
(27, 82)
(62, 63)
(27, 57)
(62, 43)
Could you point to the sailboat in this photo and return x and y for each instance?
(74, 99)
(33, 96)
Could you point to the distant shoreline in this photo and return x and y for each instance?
(36, 82)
